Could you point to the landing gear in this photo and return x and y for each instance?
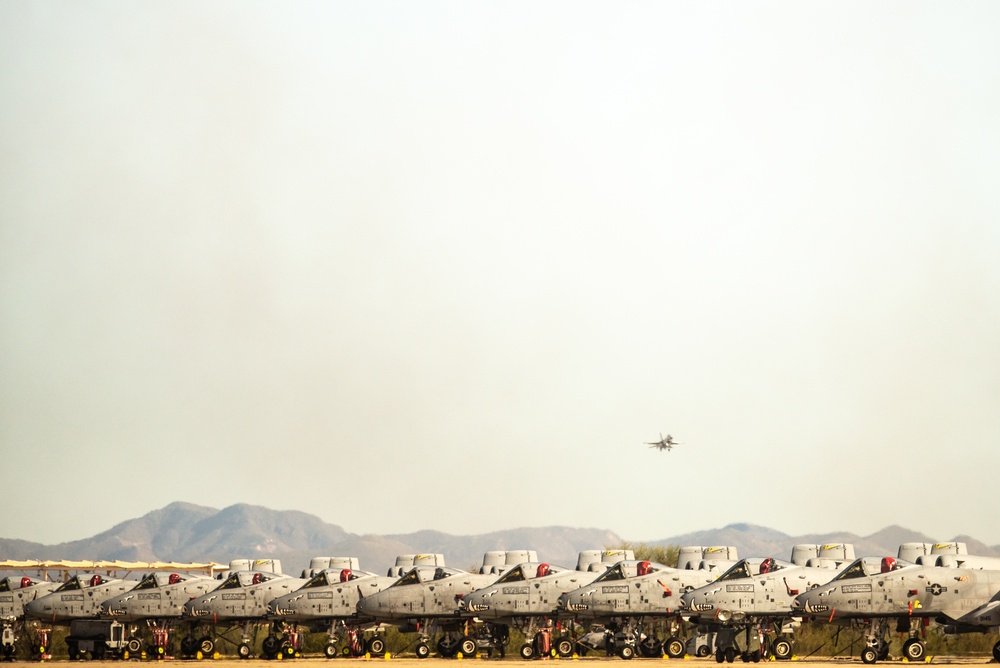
(330, 651)
(423, 650)
(526, 651)
(650, 647)
(564, 647)
(674, 648)
(271, 647)
(243, 651)
(626, 652)
(206, 646)
(869, 655)
(376, 646)
(782, 648)
(996, 651)
(914, 649)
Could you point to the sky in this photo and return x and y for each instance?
(450, 265)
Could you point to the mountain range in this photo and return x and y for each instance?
(188, 532)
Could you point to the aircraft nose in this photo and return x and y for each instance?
(37, 609)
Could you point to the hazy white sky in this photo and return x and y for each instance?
(448, 265)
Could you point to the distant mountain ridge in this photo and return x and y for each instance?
(188, 532)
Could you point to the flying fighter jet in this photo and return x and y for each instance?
(965, 600)
(14, 594)
(329, 601)
(629, 597)
(241, 601)
(159, 599)
(755, 596)
(664, 443)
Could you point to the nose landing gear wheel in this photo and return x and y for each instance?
(330, 651)
(422, 650)
(467, 646)
(564, 647)
(868, 655)
(243, 651)
(782, 648)
(913, 649)
(526, 651)
(376, 646)
(626, 652)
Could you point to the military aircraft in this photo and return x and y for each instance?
(880, 591)
(329, 601)
(753, 602)
(629, 598)
(664, 443)
(14, 594)
(78, 598)
(158, 599)
(241, 602)
(427, 597)
(524, 595)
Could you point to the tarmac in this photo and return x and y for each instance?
(436, 662)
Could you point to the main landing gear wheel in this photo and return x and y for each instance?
(914, 650)
(730, 654)
(376, 646)
(674, 648)
(782, 648)
(422, 650)
(446, 648)
(189, 646)
(564, 647)
(626, 652)
(271, 646)
(651, 648)
(206, 646)
(467, 646)
(526, 651)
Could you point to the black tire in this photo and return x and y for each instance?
(72, 651)
(189, 646)
(674, 648)
(782, 648)
(651, 648)
(206, 646)
(996, 651)
(243, 651)
(626, 652)
(467, 646)
(376, 646)
(702, 651)
(446, 648)
(526, 651)
(98, 652)
(564, 647)
(330, 651)
(883, 651)
(422, 650)
(869, 655)
(720, 656)
(583, 650)
(730, 654)
(271, 646)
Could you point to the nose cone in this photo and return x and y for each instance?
(39, 609)
(367, 606)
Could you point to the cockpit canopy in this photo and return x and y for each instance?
(748, 568)
(82, 582)
(332, 576)
(421, 574)
(868, 566)
(154, 580)
(625, 570)
(246, 579)
(11, 583)
(529, 571)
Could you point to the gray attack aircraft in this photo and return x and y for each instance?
(241, 602)
(14, 594)
(753, 602)
(963, 600)
(426, 599)
(158, 600)
(630, 598)
(79, 597)
(329, 601)
(524, 596)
